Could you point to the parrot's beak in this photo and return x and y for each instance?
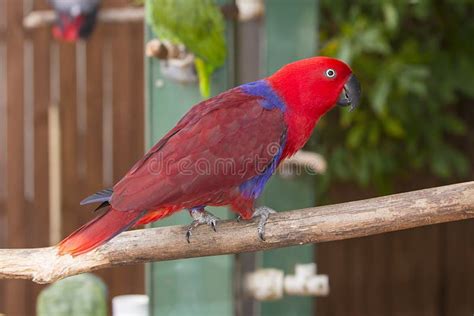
(350, 95)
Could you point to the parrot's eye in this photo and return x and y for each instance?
(330, 73)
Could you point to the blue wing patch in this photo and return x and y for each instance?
(269, 98)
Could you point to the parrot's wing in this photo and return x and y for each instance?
(216, 147)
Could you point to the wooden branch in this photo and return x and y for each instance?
(311, 225)
(41, 18)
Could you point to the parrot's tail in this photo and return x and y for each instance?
(98, 231)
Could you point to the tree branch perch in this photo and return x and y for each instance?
(311, 225)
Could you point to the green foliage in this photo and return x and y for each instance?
(415, 61)
(79, 295)
(197, 24)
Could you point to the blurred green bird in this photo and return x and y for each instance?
(199, 26)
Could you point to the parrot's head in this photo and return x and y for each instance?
(313, 86)
(309, 88)
(74, 23)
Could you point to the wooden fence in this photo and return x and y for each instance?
(71, 122)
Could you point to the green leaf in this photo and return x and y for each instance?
(454, 125)
(391, 16)
(394, 128)
(355, 136)
(380, 95)
(374, 134)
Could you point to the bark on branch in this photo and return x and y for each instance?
(311, 225)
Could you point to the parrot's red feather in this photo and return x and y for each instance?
(98, 231)
(153, 216)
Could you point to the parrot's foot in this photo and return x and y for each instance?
(263, 212)
(200, 217)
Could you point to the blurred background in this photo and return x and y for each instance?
(74, 117)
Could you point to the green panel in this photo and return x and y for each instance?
(200, 286)
(291, 34)
(290, 30)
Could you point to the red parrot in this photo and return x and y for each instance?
(74, 18)
(222, 152)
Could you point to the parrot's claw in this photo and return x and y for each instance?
(263, 212)
(200, 217)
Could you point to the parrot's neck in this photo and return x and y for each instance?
(299, 132)
(299, 121)
(303, 111)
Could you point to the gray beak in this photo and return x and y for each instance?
(350, 95)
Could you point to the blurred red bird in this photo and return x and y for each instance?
(222, 152)
(75, 19)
